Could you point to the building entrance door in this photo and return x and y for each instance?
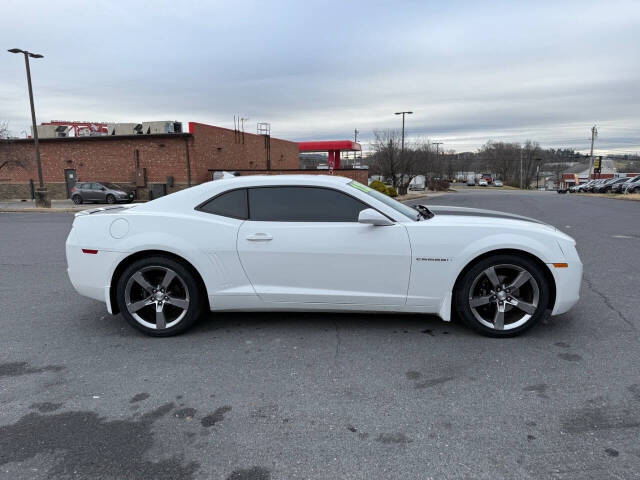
(71, 179)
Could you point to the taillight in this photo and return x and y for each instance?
(73, 189)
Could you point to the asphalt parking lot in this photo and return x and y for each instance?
(323, 396)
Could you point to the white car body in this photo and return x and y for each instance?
(406, 266)
(482, 183)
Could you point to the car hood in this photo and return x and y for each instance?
(478, 212)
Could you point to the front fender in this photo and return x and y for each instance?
(547, 252)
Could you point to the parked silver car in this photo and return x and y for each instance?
(103, 192)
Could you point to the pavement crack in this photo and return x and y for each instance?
(608, 302)
(338, 343)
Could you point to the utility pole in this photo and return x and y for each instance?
(437, 144)
(355, 140)
(42, 194)
(594, 134)
(521, 152)
(402, 147)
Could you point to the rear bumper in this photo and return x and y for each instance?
(91, 273)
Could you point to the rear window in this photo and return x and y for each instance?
(229, 204)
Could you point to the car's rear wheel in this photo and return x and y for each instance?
(77, 199)
(159, 296)
(111, 199)
(502, 295)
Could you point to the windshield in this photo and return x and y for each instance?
(390, 202)
(112, 186)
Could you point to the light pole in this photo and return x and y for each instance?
(437, 144)
(42, 195)
(402, 145)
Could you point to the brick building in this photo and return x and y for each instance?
(151, 164)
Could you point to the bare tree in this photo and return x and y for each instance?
(4, 130)
(388, 160)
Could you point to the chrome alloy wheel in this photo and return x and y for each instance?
(504, 297)
(156, 297)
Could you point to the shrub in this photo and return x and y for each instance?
(438, 185)
(379, 186)
(391, 192)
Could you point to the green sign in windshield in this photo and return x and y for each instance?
(360, 186)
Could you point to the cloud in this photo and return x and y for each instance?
(470, 71)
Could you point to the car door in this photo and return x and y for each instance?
(100, 192)
(304, 244)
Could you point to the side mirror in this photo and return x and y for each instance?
(373, 217)
(103, 189)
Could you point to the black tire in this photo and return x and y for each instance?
(111, 199)
(77, 199)
(193, 292)
(463, 292)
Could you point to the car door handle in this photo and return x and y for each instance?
(259, 237)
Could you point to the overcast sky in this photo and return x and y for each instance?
(470, 71)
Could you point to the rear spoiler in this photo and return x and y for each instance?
(91, 211)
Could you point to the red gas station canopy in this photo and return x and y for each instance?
(327, 145)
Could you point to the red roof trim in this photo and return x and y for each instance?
(326, 145)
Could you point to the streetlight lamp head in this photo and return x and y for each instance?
(36, 55)
(15, 50)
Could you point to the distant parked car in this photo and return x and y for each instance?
(620, 186)
(487, 177)
(632, 187)
(583, 187)
(605, 187)
(483, 183)
(103, 192)
(471, 182)
(498, 183)
(592, 186)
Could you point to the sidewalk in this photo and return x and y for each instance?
(425, 194)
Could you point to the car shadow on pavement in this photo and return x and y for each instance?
(380, 322)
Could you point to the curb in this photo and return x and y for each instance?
(40, 210)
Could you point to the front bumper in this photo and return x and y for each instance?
(568, 281)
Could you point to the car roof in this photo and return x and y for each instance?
(258, 180)
(200, 193)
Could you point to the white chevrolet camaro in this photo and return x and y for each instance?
(324, 243)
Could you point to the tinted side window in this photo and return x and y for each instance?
(302, 204)
(230, 204)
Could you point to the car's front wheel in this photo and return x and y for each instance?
(502, 295)
(111, 199)
(159, 296)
